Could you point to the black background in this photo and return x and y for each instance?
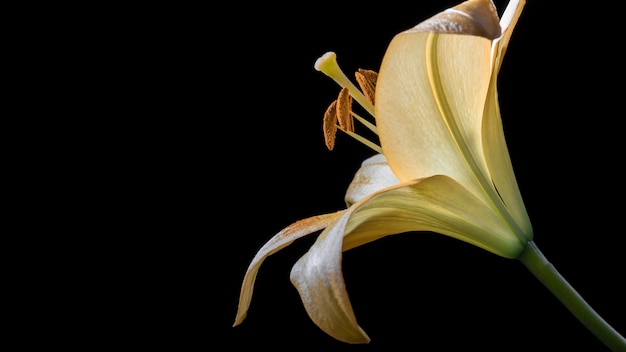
(230, 150)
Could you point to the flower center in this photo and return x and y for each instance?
(339, 114)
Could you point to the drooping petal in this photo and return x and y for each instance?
(437, 204)
(374, 175)
(319, 280)
(279, 241)
(430, 96)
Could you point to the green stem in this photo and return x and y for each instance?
(534, 260)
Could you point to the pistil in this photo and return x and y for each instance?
(327, 64)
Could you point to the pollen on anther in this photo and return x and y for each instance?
(330, 125)
(344, 106)
(367, 81)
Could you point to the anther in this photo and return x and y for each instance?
(330, 125)
(344, 107)
(367, 82)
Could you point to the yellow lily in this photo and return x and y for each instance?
(449, 172)
(443, 164)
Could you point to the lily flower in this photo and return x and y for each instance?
(442, 164)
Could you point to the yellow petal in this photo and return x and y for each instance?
(494, 143)
(438, 204)
(280, 240)
(499, 163)
(430, 96)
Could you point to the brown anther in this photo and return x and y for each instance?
(367, 82)
(330, 125)
(344, 106)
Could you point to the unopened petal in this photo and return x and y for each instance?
(280, 240)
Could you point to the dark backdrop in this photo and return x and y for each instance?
(236, 153)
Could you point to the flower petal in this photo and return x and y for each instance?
(437, 204)
(430, 97)
(507, 23)
(319, 280)
(374, 175)
(494, 143)
(499, 163)
(279, 241)
(473, 17)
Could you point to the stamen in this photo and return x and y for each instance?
(344, 105)
(367, 82)
(330, 125)
(366, 123)
(339, 114)
(365, 141)
(327, 64)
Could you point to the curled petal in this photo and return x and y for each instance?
(319, 280)
(374, 175)
(472, 17)
(279, 241)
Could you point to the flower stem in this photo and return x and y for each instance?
(535, 261)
